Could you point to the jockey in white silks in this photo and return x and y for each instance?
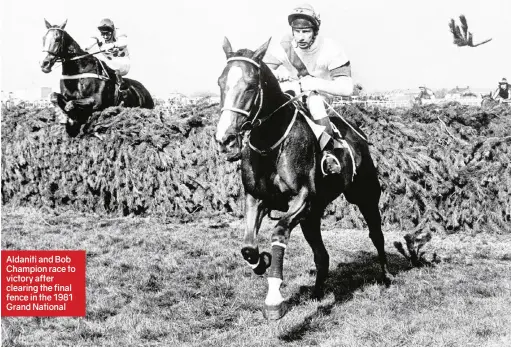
(304, 61)
(115, 47)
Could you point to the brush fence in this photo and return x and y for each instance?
(445, 168)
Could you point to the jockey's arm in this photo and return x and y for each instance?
(339, 86)
(93, 42)
(341, 83)
(121, 41)
(281, 74)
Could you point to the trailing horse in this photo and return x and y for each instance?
(281, 170)
(86, 84)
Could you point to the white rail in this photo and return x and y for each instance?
(407, 103)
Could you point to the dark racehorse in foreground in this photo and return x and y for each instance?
(86, 84)
(281, 170)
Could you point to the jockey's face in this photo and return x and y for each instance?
(106, 35)
(503, 85)
(303, 37)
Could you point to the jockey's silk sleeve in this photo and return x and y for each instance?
(274, 55)
(121, 40)
(344, 70)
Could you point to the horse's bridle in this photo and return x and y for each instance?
(255, 121)
(56, 54)
(250, 123)
(61, 58)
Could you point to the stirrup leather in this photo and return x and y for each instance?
(325, 156)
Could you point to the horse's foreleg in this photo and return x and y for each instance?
(311, 228)
(254, 213)
(60, 101)
(82, 103)
(274, 301)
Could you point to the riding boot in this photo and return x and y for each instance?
(123, 85)
(122, 88)
(329, 140)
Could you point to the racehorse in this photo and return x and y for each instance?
(86, 84)
(281, 170)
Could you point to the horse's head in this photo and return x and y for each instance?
(54, 45)
(240, 92)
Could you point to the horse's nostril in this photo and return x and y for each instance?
(230, 139)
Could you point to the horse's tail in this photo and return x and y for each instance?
(139, 95)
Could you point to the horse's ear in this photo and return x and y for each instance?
(63, 25)
(227, 47)
(48, 25)
(261, 51)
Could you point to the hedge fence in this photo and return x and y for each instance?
(444, 168)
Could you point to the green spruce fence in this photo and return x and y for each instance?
(446, 168)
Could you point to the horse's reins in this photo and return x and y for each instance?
(291, 100)
(260, 99)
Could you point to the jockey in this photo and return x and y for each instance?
(305, 61)
(503, 92)
(115, 47)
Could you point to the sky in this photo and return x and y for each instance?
(176, 45)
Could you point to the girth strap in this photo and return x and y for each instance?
(84, 75)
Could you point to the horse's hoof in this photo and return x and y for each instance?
(318, 294)
(388, 279)
(275, 312)
(264, 263)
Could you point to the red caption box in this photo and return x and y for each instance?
(43, 283)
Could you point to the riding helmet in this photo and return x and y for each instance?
(304, 16)
(106, 24)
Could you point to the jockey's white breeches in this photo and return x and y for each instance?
(122, 64)
(316, 105)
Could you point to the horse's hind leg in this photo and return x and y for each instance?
(371, 213)
(311, 228)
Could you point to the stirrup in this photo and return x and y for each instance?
(325, 156)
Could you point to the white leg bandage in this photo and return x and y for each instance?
(274, 298)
